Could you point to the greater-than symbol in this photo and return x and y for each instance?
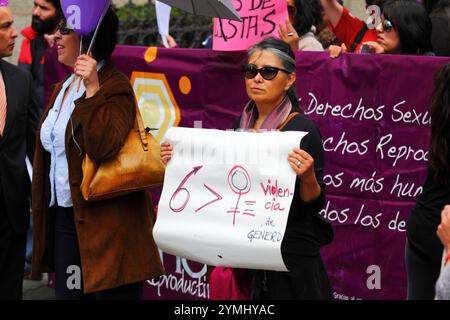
(218, 198)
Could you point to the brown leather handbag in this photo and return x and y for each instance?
(136, 167)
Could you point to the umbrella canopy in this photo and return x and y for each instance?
(211, 8)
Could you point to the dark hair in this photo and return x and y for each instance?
(440, 126)
(432, 5)
(412, 23)
(59, 11)
(309, 13)
(287, 57)
(56, 4)
(107, 36)
(379, 3)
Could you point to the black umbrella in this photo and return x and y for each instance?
(222, 9)
(211, 8)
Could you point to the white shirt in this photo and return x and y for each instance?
(53, 133)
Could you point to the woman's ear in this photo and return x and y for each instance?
(291, 80)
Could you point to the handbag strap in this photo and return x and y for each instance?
(139, 123)
(293, 114)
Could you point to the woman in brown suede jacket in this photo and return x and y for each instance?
(103, 249)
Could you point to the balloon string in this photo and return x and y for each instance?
(81, 51)
(105, 9)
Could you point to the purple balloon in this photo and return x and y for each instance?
(84, 15)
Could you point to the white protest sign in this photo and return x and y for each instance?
(163, 20)
(226, 197)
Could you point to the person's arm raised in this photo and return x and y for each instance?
(333, 10)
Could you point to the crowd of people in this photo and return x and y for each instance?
(94, 115)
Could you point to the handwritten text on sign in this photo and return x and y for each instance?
(226, 197)
(260, 19)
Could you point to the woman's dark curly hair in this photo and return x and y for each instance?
(309, 13)
(440, 127)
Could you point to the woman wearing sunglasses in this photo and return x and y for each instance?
(102, 249)
(405, 28)
(270, 83)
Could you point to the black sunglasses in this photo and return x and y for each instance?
(64, 29)
(387, 26)
(267, 72)
(292, 11)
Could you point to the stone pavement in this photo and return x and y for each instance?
(38, 290)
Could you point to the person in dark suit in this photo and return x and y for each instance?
(18, 122)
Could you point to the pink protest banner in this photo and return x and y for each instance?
(260, 18)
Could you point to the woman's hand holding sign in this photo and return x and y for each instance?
(166, 152)
(301, 162)
(303, 165)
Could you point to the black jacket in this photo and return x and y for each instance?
(16, 143)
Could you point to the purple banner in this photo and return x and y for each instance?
(373, 113)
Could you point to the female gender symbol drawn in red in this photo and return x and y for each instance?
(240, 183)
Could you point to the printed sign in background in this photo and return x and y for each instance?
(373, 113)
